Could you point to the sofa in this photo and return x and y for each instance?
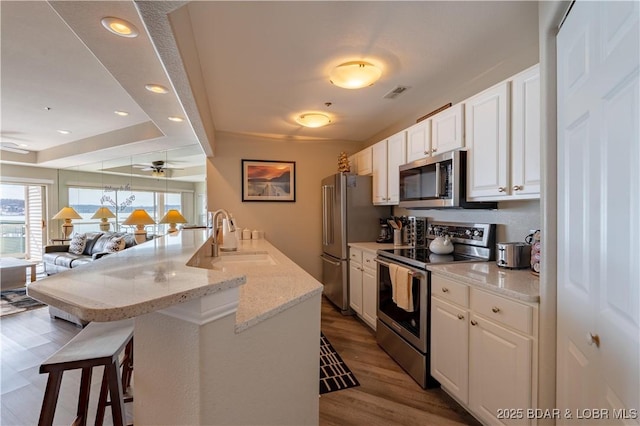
(58, 258)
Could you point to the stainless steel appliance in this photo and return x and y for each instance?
(347, 216)
(404, 335)
(513, 255)
(437, 182)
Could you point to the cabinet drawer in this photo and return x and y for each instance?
(368, 260)
(355, 255)
(508, 312)
(450, 290)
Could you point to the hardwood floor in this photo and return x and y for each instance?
(386, 395)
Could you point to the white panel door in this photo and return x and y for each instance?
(396, 156)
(419, 141)
(447, 130)
(379, 170)
(599, 209)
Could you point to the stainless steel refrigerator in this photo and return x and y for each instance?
(348, 215)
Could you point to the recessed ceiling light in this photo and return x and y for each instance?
(64, 132)
(119, 26)
(313, 119)
(355, 75)
(121, 113)
(176, 119)
(156, 88)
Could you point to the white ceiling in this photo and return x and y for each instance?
(237, 67)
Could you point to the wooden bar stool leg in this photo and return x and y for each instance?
(102, 399)
(50, 398)
(115, 392)
(83, 398)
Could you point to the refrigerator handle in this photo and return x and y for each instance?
(327, 214)
(330, 261)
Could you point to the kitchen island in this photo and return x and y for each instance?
(232, 340)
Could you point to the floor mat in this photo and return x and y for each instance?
(334, 373)
(15, 301)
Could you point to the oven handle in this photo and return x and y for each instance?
(413, 271)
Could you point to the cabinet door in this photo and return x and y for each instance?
(365, 161)
(447, 130)
(450, 348)
(355, 286)
(369, 296)
(396, 156)
(379, 168)
(419, 141)
(486, 123)
(500, 369)
(525, 134)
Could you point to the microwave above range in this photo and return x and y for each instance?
(437, 182)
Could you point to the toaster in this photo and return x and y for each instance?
(513, 255)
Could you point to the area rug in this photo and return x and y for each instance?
(334, 373)
(15, 301)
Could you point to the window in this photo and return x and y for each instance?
(21, 220)
(121, 201)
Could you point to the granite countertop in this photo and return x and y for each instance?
(373, 246)
(155, 275)
(518, 284)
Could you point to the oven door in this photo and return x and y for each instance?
(412, 326)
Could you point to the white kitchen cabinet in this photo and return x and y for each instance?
(447, 130)
(363, 285)
(483, 349)
(525, 134)
(450, 348)
(419, 141)
(364, 161)
(388, 155)
(503, 140)
(487, 126)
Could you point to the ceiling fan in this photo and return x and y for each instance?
(157, 168)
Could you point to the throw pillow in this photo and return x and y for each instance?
(115, 244)
(76, 246)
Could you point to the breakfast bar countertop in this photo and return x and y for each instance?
(155, 275)
(518, 284)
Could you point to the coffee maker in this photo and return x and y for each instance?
(386, 233)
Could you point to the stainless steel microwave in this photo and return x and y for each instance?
(437, 182)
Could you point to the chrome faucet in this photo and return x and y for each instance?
(214, 239)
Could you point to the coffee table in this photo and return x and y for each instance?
(12, 272)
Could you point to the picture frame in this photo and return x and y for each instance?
(268, 180)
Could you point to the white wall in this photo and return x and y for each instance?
(294, 228)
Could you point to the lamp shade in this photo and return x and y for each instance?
(173, 216)
(139, 217)
(355, 75)
(67, 213)
(103, 213)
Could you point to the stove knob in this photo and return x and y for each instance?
(467, 232)
(476, 233)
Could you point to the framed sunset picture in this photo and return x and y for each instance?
(264, 180)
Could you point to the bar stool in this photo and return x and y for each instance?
(98, 344)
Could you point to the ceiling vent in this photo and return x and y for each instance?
(395, 92)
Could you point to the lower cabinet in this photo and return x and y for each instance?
(363, 285)
(483, 350)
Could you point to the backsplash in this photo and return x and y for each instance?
(513, 219)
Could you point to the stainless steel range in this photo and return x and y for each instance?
(405, 333)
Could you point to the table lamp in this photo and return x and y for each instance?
(172, 217)
(103, 213)
(140, 218)
(67, 213)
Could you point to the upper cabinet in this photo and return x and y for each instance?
(439, 134)
(502, 129)
(447, 130)
(419, 141)
(388, 155)
(365, 161)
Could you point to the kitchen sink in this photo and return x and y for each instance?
(233, 260)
